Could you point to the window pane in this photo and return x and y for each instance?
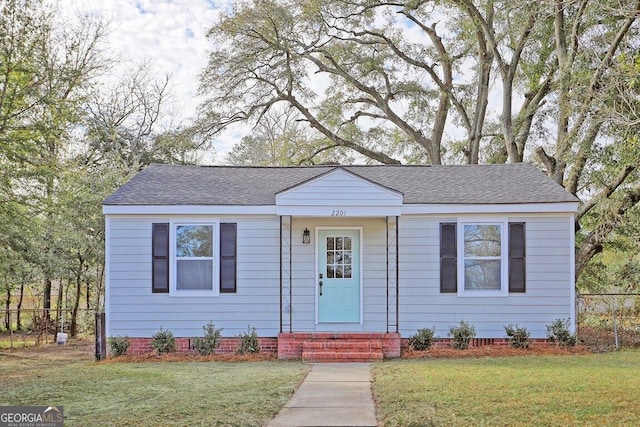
(338, 272)
(347, 257)
(330, 258)
(482, 274)
(339, 243)
(194, 241)
(330, 244)
(194, 274)
(347, 243)
(330, 272)
(482, 240)
(347, 272)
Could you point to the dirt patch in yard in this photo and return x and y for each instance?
(178, 357)
(75, 349)
(603, 339)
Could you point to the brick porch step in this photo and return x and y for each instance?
(342, 351)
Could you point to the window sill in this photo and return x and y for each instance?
(194, 293)
(483, 294)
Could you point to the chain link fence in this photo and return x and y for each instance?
(608, 321)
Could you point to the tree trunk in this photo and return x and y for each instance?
(19, 308)
(88, 294)
(46, 295)
(74, 315)
(7, 315)
(485, 59)
(59, 315)
(99, 284)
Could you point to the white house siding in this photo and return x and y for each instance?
(135, 311)
(305, 280)
(548, 281)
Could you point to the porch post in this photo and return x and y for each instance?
(392, 232)
(387, 249)
(281, 305)
(285, 271)
(290, 278)
(397, 274)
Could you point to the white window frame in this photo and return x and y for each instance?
(173, 260)
(504, 257)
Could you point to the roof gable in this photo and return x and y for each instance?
(339, 192)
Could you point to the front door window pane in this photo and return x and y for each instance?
(339, 257)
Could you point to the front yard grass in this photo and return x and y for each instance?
(149, 394)
(596, 389)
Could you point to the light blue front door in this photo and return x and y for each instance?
(339, 276)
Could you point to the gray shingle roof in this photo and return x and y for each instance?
(516, 183)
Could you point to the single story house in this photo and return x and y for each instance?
(318, 258)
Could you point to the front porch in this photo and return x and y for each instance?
(338, 347)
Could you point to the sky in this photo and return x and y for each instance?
(168, 34)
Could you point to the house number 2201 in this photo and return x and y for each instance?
(338, 212)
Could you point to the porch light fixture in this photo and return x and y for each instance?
(306, 237)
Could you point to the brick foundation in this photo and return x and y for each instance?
(185, 345)
(290, 345)
(477, 342)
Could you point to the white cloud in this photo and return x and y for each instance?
(168, 34)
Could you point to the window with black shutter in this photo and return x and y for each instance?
(448, 258)
(160, 255)
(517, 257)
(228, 254)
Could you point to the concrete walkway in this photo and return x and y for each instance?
(333, 394)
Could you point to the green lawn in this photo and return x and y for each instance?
(599, 389)
(149, 394)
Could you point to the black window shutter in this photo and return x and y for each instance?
(448, 260)
(517, 257)
(160, 255)
(228, 238)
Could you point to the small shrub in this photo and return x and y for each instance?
(211, 340)
(558, 332)
(517, 337)
(119, 345)
(422, 339)
(462, 335)
(163, 342)
(248, 341)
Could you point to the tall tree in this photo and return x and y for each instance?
(45, 67)
(129, 118)
(457, 80)
(80, 229)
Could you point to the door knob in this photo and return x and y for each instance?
(320, 287)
